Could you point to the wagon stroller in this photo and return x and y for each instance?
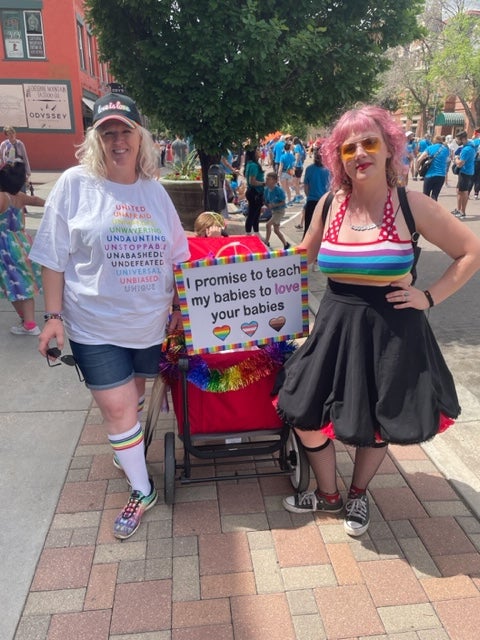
(225, 416)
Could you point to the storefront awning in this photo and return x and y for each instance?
(450, 119)
(89, 103)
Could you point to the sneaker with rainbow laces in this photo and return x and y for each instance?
(128, 520)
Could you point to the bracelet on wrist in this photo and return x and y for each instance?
(428, 296)
(53, 316)
(175, 307)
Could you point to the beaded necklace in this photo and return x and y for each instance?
(387, 211)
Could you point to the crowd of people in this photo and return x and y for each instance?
(369, 374)
(458, 152)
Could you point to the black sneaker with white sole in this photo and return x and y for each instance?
(311, 501)
(357, 515)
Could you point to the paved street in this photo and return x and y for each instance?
(227, 562)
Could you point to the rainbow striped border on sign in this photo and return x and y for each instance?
(281, 314)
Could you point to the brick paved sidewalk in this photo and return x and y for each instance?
(227, 562)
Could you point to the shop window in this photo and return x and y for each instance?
(23, 35)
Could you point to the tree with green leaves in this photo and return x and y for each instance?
(224, 70)
(456, 66)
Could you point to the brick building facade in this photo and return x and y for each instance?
(50, 75)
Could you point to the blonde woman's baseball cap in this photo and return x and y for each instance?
(115, 106)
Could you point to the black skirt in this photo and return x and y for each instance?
(368, 372)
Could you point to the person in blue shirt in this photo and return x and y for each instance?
(286, 171)
(315, 184)
(466, 161)
(435, 176)
(274, 197)
(226, 162)
(277, 152)
(422, 145)
(300, 156)
(476, 177)
(411, 153)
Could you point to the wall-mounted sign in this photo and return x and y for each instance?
(36, 105)
(47, 106)
(12, 34)
(12, 106)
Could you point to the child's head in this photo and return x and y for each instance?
(12, 177)
(271, 179)
(205, 221)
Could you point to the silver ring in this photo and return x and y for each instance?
(405, 294)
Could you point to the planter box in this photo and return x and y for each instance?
(187, 197)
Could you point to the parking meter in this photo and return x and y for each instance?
(216, 189)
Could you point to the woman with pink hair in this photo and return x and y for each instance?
(371, 371)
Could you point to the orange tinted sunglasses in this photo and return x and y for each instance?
(369, 145)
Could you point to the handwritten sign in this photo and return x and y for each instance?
(243, 300)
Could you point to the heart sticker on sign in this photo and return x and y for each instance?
(277, 323)
(222, 332)
(249, 328)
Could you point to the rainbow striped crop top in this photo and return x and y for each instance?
(375, 263)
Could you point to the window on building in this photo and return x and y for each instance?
(81, 50)
(23, 34)
(90, 49)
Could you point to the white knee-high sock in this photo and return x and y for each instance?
(131, 454)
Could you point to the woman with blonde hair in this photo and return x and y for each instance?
(107, 243)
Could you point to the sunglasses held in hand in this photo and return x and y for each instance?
(54, 353)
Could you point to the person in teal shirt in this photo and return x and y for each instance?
(274, 197)
(255, 184)
(466, 161)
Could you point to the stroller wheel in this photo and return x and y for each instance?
(169, 468)
(297, 457)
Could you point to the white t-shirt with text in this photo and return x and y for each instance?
(116, 245)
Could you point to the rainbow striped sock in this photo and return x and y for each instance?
(129, 449)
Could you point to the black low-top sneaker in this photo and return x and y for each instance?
(311, 501)
(357, 515)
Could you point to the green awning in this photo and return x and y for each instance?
(450, 119)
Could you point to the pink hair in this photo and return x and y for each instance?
(355, 121)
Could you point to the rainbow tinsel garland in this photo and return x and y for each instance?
(261, 363)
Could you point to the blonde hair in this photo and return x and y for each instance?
(206, 220)
(90, 154)
(7, 130)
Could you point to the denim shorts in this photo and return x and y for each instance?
(105, 366)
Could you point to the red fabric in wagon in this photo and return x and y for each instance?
(220, 246)
(246, 409)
